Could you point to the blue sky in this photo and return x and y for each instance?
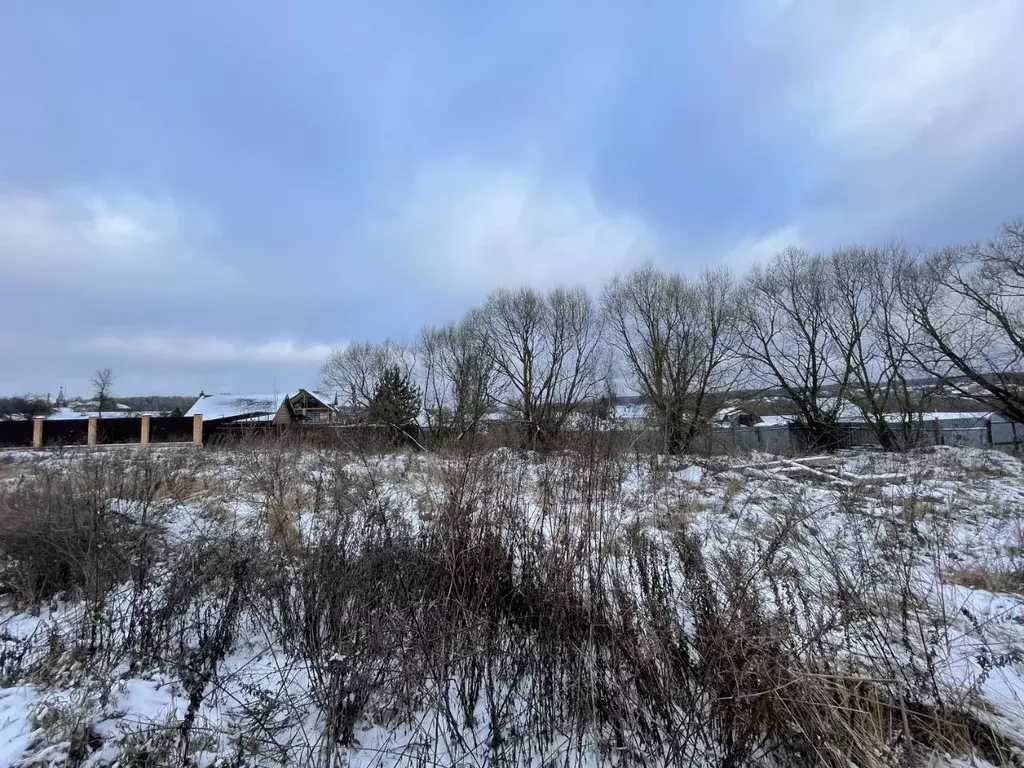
(210, 195)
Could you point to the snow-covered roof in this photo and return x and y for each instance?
(93, 405)
(327, 398)
(974, 416)
(843, 409)
(224, 406)
(67, 414)
(776, 420)
(259, 418)
(730, 411)
(630, 412)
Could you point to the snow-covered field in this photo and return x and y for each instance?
(277, 605)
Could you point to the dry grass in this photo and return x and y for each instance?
(991, 580)
(515, 606)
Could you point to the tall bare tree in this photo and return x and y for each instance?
(968, 303)
(546, 351)
(869, 322)
(103, 386)
(677, 344)
(355, 371)
(788, 310)
(458, 376)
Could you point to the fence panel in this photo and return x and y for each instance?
(66, 432)
(119, 430)
(970, 437)
(1007, 433)
(857, 435)
(15, 433)
(776, 439)
(170, 429)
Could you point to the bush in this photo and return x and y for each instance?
(53, 543)
(81, 524)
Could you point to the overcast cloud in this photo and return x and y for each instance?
(210, 195)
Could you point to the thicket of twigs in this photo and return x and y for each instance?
(505, 616)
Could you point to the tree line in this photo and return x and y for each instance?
(859, 325)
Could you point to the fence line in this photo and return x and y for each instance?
(782, 438)
(785, 438)
(97, 431)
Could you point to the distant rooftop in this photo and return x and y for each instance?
(225, 406)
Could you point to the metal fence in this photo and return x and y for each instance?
(1006, 433)
(792, 439)
(163, 429)
(789, 439)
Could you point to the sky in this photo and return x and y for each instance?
(211, 195)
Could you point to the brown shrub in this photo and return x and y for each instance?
(78, 528)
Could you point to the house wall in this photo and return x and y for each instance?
(284, 414)
(309, 407)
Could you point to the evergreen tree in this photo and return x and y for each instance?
(396, 400)
(601, 408)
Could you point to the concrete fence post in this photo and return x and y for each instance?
(93, 431)
(197, 429)
(144, 427)
(938, 432)
(37, 431)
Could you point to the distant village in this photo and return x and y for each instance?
(281, 408)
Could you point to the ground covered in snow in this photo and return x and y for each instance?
(278, 605)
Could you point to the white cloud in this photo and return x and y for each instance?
(83, 232)
(915, 66)
(875, 77)
(204, 350)
(894, 108)
(479, 228)
(115, 229)
(754, 249)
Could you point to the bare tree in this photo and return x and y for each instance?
(869, 322)
(355, 371)
(458, 377)
(968, 303)
(546, 351)
(677, 344)
(901, 381)
(788, 311)
(103, 385)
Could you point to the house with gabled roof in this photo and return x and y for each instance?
(305, 405)
(311, 405)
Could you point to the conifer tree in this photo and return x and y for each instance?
(396, 401)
